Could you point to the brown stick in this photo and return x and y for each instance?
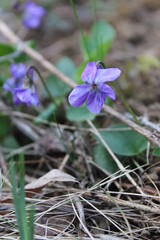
(124, 203)
(146, 133)
(9, 34)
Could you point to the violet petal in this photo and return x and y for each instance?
(78, 95)
(34, 9)
(107, 75)
(9, 85)
(16, 100)
(32, 15)
(18, 71)
(24, 95)
(31, 22)
(107, 90)
(89, 73)
(95, 101)
(34, 99)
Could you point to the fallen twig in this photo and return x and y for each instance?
(124, 203)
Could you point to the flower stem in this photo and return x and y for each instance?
(80, 28)
(126, 104)
(43, 82)
(121, 96)
(95, 23)
(53, 101)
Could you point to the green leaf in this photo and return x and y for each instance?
(4, 72)
(46, 114)
(79, 114)
(19, 199)
(125, 142)
(7, 4)
(4, 126)
(6, 49)
(56, 87)
(78, 73)
(16, 199)
(103, 159)
(22, 203)
(156, 152)
(10, 142)
(99, 41)
(66, 66)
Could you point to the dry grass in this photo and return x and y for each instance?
(68, 211)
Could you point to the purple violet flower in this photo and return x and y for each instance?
(21, 87)
(27, 95)
(94, 90)
(17, 71)
(27, 92)
(32, 15)
(16, 6)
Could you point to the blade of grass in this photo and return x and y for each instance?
(95, 23)
(16, 199)
(22, 199)
(26, 230)
(80, 28)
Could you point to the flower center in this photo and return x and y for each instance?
(27, 83)
(94, 86)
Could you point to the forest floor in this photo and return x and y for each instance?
(74, 197)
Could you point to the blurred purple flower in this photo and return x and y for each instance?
(17, 6)
(94, 90)
(27, 92)
(27, 95)
(32, 15)
(21, 87)
(9, 86)
(17, 71)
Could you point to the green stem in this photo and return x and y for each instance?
(100, 42)
(125, 103)
(95, 24)
(101, 51)
(80, 28)
(53, 101)
(121, 97)
(43, 82)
